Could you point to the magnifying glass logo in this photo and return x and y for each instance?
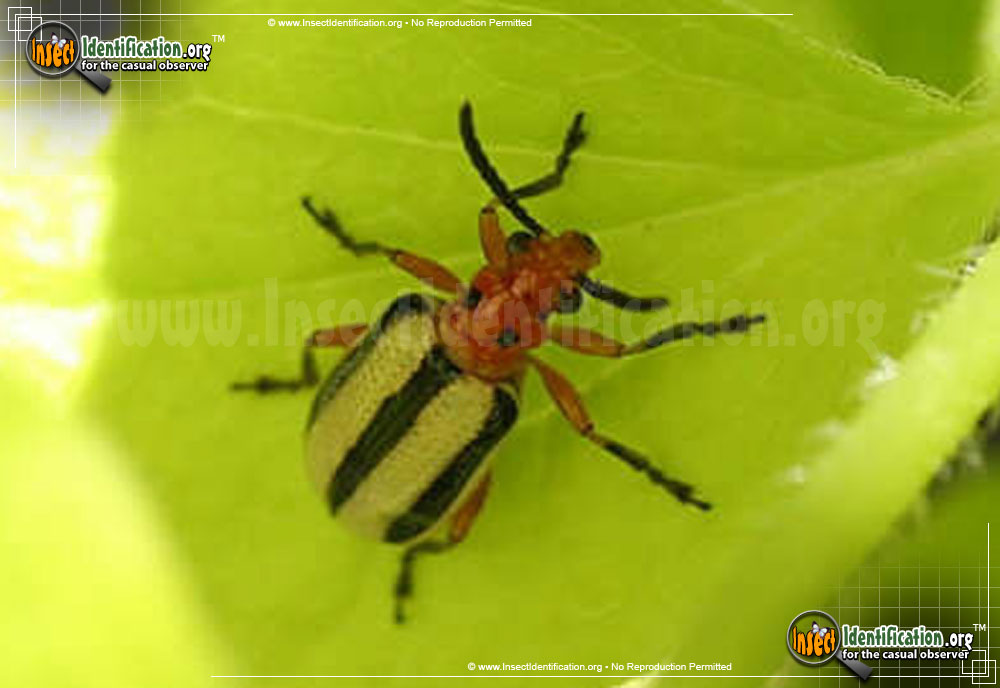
(813, 639)
(53, 50)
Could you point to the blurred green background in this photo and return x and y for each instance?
(836, 169)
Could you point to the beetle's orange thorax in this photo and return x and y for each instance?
(487, 335)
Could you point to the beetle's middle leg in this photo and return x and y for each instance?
(461, 523)
(343, 335)
(424, 269)
(571, 405)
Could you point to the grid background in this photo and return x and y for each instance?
(70, 101)
(950, 596)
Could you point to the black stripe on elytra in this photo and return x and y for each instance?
(410, 304)
(437, 498)
(390, 424)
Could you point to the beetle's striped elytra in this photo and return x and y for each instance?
(400, 434)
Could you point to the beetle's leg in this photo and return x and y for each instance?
(575, 136)
(266, 384)
(465, 516)
(461, 522)
(424, 269)
(571, 406)
(344, 335)
(586, 341)
(404, 581)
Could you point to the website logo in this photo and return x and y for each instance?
(54, 50)
(813, 638)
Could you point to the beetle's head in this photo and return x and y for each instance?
(560, 258)
(573, 250)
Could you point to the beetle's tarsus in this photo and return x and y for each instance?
(683, 493)
(265, 384)
(681, 490)
(403, 589)
(328, 221)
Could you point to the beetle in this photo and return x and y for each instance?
(400, 433)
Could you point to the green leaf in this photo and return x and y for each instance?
(730, 160)
(93, 593)
(942, 45)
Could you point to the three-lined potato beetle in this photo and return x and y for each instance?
(399, 437)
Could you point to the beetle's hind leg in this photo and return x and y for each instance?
(575, 136)
(461, 522)
(404, 581)
(344, 335)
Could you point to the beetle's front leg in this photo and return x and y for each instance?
(344, 335)
(461, 522)
(572, 408)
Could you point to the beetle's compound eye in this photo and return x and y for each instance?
(570, 301)
(472, 298)
(518, 242)
(508, 337)
(589, 244)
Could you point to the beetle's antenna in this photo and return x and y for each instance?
(489, 174)
(619, 299)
